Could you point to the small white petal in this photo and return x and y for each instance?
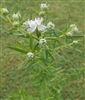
(31, 23)
(41, 28)
(31, 30)
(38, 21)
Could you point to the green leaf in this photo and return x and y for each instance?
(8, 18)
(30, 64)
(43, 53)
(15, 8)
(38, 33)
(61, 56)
(35, 11)
(45, 61)
(50, 54)
(46, 52)
(27, 64)
(51, 38)
(0, 9)
(17, 44)
(23, 31)
(24, 64)
(30, 14)
(30, 41)
(36, 45)
(3, 17)
(19, 50)
(21, 35)
(12, 30)
(78, 36)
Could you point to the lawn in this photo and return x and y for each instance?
(63, 12)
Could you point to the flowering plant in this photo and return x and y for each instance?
(41, 47)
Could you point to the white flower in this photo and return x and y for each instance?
(25, 25)
(44, 6)
(37, 23)
(30, 55)
(69, 34)
(42, 41)
(75, 41)
(16, 16)
(50, 26)
(74, 27)
(4, 11)
(15, 24)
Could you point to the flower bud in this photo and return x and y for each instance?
(19, 15)
(75, 41)
(69, 34)
(44, 6)
(4, 11)
(50, 26)
(15, 24)
(16, 16)
(30, 55)
(42, 41)
(41, 14)
(25, 25)
(74, 28)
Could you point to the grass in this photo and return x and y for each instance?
(62, 12)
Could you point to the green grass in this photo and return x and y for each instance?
(63, 12)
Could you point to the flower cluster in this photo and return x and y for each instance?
(37, 23)
(32, 25)
(4, 11)
(25, 25)
(37, 26)
(44, 8)
(42, 41)
(41, 44)
(73, 28)
(50, 26)
(30, 55)
(15, 18)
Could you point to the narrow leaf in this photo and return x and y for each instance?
(19, 50)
